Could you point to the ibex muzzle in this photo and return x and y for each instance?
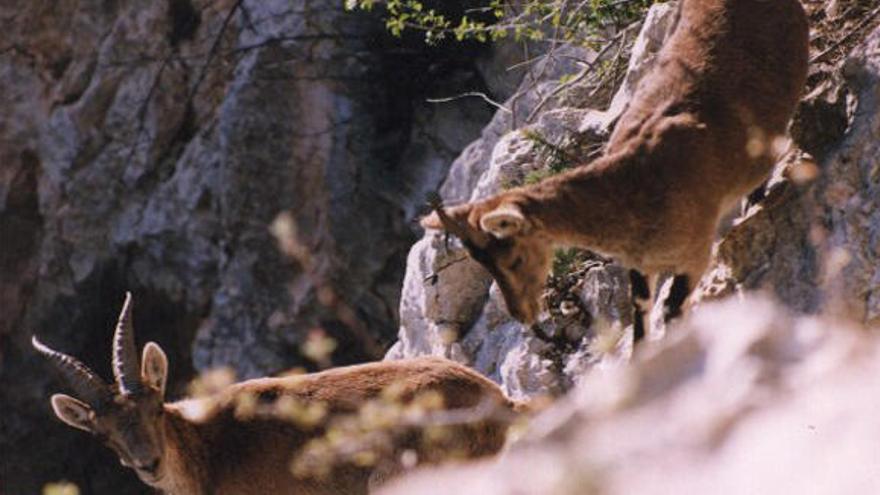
(497, 238)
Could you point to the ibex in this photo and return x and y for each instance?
(222, 452)
(698, 134)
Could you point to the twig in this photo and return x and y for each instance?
(213, 51)
(524, 63)
(142, 110)
(605, 78)
(582, 74)
(153, 87)
(555, 149)
(433, 275)
(478, 94)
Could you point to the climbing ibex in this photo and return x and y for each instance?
(225, 452)
(698, 134)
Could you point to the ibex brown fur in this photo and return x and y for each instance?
(222, 452)
(697, 135)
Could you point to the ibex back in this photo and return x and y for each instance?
(698, 134)
(220, 451)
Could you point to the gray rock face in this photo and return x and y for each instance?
(850, 192)
(250, 170)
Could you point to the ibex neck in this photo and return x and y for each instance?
(185, 459)
(580, 208)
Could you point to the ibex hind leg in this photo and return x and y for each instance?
(640, 294)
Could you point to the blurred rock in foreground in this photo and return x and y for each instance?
(740, 398)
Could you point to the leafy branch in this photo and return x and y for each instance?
(586, 22)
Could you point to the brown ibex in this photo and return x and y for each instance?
(222, 452)
(697, 135)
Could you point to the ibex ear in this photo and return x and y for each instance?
(505, 221)
(73, 412)
(154, 367)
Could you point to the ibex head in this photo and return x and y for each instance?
(127, 416)
(501, 237)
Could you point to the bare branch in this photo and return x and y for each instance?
(477, 94)
(142, 110)
(213, 51)
(618, 38)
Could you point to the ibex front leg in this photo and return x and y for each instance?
(640, 293)
(678, 293)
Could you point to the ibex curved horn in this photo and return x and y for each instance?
(126, 369)
(85, 383)
(454, 227)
